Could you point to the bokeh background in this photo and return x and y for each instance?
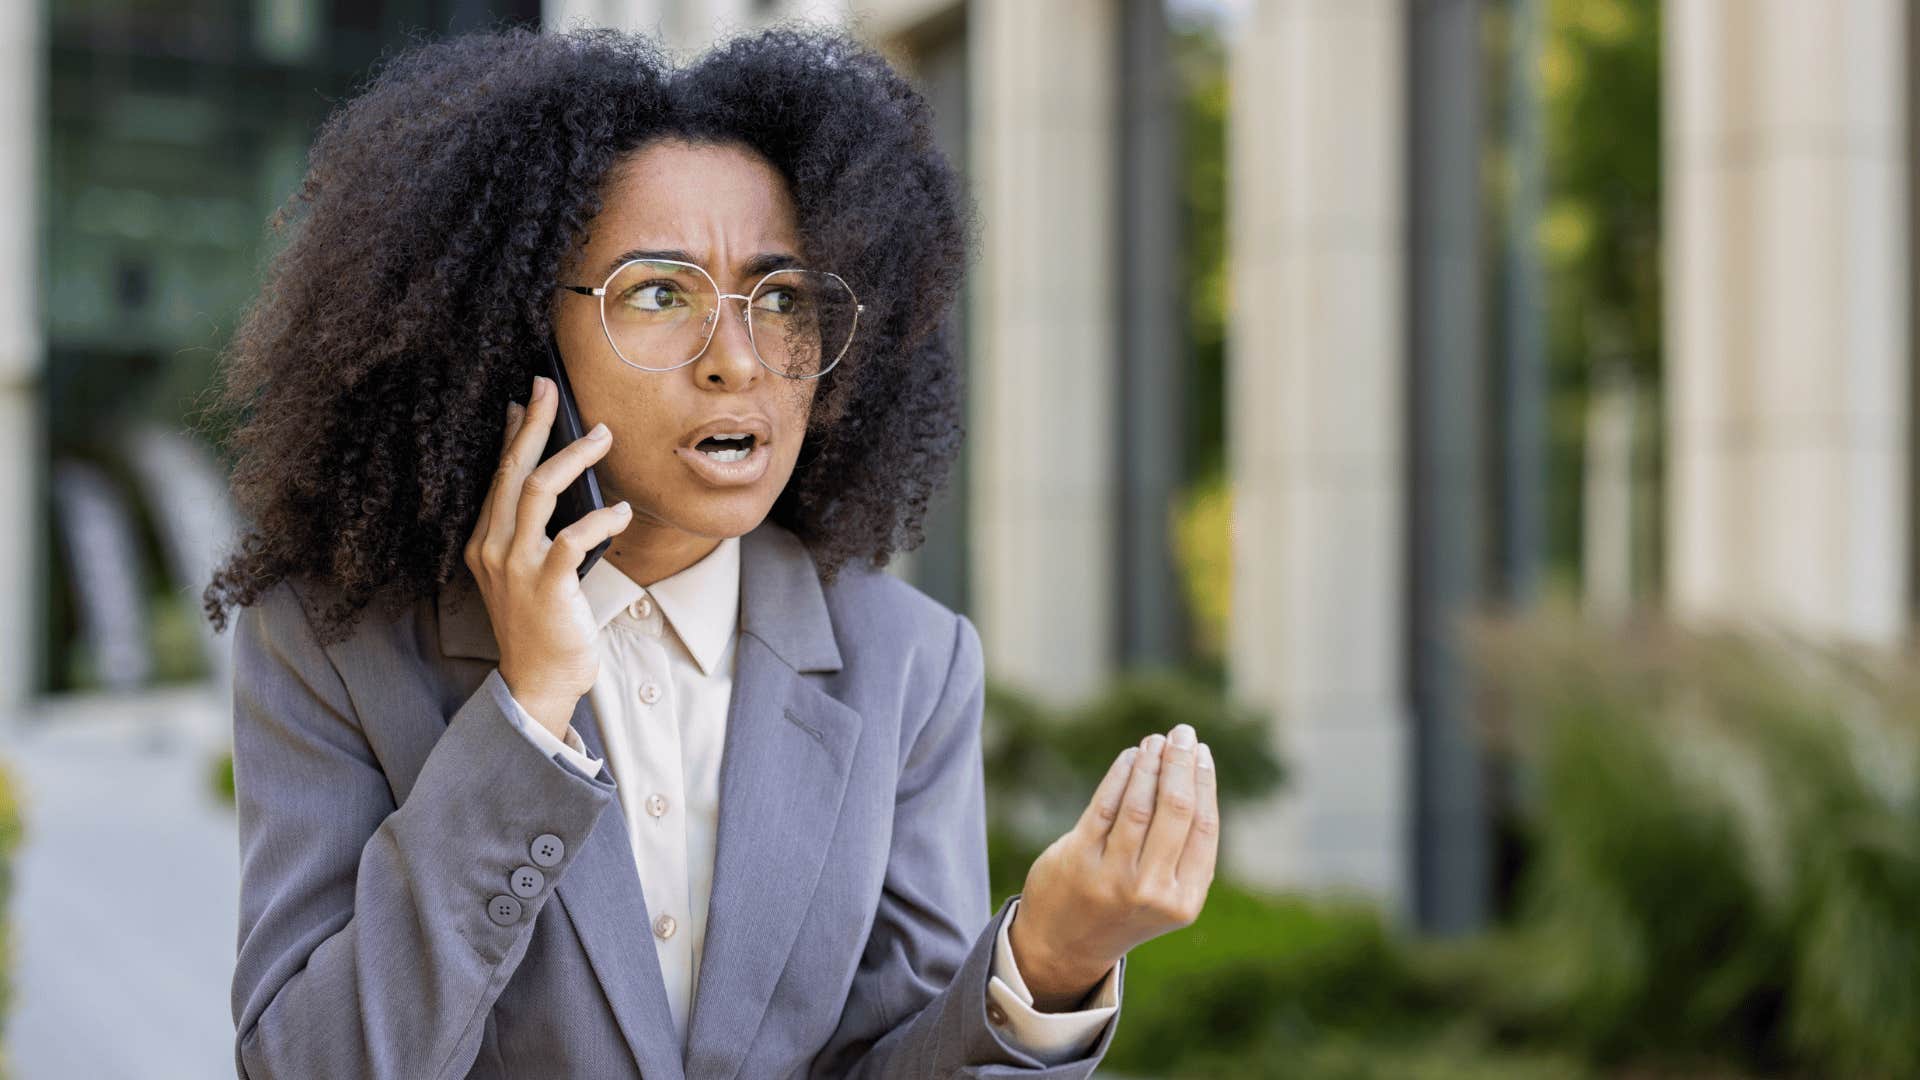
(1490, 422)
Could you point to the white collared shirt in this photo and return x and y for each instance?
(666, 679)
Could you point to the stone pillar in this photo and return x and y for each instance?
(1316, 435)
(1042, 381)
(23, 52)
(1787, 335)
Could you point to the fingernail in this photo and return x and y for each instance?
(1127, 755)
(540, 384)
(623, 507)
(1154, 744)
(1206, 756)
(599, 431)
(1183, 736)
(515, 410)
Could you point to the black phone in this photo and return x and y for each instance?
(581, 497)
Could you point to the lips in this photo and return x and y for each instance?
(732, 461)
(756, 426)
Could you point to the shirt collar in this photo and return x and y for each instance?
(701, 603)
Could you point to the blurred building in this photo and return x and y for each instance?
(1385, 389)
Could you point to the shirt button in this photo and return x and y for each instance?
(656, 805)
(663, 927)
(996, 1014)
(641, 608)
(649, 692)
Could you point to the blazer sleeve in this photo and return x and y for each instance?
(918, 1006)
(375, 938)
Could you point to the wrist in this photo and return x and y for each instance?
(1057, 983)
(551, 711)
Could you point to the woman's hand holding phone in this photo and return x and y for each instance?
(1137, 865)
(530, 583)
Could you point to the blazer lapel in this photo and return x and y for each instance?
(783, 772)
(600, 892)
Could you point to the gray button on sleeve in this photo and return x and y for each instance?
(504, 910)
(527, 882)
(547, 849)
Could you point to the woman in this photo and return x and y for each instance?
(713, 809)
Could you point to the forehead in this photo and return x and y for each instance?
(698, 197)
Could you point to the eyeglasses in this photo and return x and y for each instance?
(660, 314)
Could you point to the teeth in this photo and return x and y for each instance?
(726, 455)
(727, 436)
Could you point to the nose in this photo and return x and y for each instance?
(729, 361)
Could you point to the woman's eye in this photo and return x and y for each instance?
(655, 296)
(778, 301)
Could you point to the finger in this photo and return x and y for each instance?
(1098, 817)
(515, 413)
(1173, 807)
(572, 543)
(1203, 840)
(523, 453)
(1136, 804)
(542, 488)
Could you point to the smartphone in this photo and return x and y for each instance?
(581, 497)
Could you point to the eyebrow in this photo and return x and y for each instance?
(754, 267)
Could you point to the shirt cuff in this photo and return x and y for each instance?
(1053, 1037)
(572, 748)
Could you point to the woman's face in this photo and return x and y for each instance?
(725, 209)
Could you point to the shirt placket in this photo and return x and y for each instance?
(655, 807)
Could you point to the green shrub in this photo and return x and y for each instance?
(1278, 986)
(1726, 841)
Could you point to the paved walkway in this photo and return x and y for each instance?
(124, 911)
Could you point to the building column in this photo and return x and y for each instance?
(1042, 383)
(23, 53)
(1316, 430)
(1787, 335)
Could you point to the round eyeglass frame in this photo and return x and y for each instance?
(713, 323)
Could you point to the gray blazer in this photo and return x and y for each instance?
(384, 799)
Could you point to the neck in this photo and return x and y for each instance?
(650, 553)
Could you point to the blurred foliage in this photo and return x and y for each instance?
(1199, 60)
(1203, 544)
(1726, 831)
(1599, 232)
(1200, 518)
(12, 831)
(220, 776)
(1268, 986)
(1724, 881)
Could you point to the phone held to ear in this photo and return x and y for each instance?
(582, 496)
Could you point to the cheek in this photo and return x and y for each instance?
(796, 403)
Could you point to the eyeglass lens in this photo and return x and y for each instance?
(659, 315)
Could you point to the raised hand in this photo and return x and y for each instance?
(1136, 865)
(531, 584)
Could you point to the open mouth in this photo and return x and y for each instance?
(725, 448)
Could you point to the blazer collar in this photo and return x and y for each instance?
(781, 604)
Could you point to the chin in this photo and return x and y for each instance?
(718, 515)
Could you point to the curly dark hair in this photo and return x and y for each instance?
(368, 382)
